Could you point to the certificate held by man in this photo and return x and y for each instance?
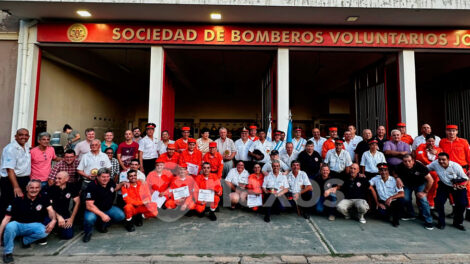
(206, 196)
(254, 200)
(180, 193)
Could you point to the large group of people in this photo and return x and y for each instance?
(97, 183)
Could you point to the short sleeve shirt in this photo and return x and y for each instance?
(356, 188)
(446, 175)
(278, 182)
(338, 163)
(236, 178)
(385, 189)
(17, 158)
(310, 163)
(103, 197)
(149, 148)
(128, 152)
(82, 148)
(296, 182)
(226, 147)
(400, 146)
(242, 149)
(61, 198)
(265, 147)
(286, 158)
(90, 161)
(370, 161)
(25, 210)
(318, 145)
(413, 177)
(41, 163)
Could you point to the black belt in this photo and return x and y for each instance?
(214, 171)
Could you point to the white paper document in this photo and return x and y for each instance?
(180, 193)
(206, 196)
(254, 200)
(157, 199)
(193, 169)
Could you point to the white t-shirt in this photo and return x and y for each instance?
(17, 158)
(278, 182)
(149, 148)
(90, 161)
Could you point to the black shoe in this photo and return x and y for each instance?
(451, 215)
(23, 245)
(129, 225)
(42, 241)
(138, 220)
(102, 229)
(267, 218)
(8, 258)
(428, 226)
(306, 215)
(86, 237)
(440, 226)
(212, 216)
(395, 223)
(201, 215)
(459, 227)
(189, 213)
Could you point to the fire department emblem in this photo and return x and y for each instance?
(77, 33)
(38, 207)
(67, 195)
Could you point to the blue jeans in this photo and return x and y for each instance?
(64, 233)
(423, 203)
(29, 231)
(328, 209)
(89, 220)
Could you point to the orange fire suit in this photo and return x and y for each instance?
(211, 183)
(181, 145)
(193, 158)
(217, 163)
(159, 183)
(407, 139)
(189, 201)
(135, 196)
(329, 144)
(421, 155)
(170, 162)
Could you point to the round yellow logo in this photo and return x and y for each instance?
(77, 33)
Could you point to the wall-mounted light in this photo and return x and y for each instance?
(83, 13)
(216, 16)
(352, 18)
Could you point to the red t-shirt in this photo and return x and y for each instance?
(128, 152)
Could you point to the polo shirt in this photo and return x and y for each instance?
(356, 188)
(446, 175)
(278, 182)
(17, 158)
(103, 197)
(90, 161)
(385, 189)
(296, 182)
(399, 146)
(41, 163)
(60, 198)
(25, 210)
(413, 177)
(310, 163)
(370, 161)
(149, 148)
(338, 163)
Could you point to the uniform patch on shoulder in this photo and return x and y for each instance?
(316, 159)
(124, 195)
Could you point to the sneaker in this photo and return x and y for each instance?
(212, 216)
(129, 226)
(408, 218)
(8, 258)
(362, 220)
(42, 241)
(86, 237)
(306, 215)
(331, 218)
(428, 226)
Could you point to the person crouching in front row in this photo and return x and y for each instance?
(275, 185)
(300, 190)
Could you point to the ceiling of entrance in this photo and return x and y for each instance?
(238, 14)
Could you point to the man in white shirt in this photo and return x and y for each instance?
(354, 138)
(278, 144)
(275, 185)
(317, 140)
(298, 141)
(92, 161)
(288, 154)
(15, 169)
(226, 147)
(236, 180)
(338, 160)
(267, 167)
(300, 190)
(264, 146)
(349, 145)
(148, 149)
(388, 197)
(421, 139)
(371, 158)
(452, 180)
(84, 146)
(243, 146)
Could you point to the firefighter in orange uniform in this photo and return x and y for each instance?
(215, 159)
(255, 182)
(404, 137)
(170, 158)
(159, 179)
(427, 153)
(191, 157)
(252, 135)
(210, 182)
(186, 189)
(330, 142)
(182, 143)
(459, 151)
(138, 201)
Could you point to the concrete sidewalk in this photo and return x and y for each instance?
(243, 237)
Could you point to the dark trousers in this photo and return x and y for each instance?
(7, 194)
(149, 165)
(326, 205)
(274, 204)
(304, 205)
(395, 210)
(460, 200)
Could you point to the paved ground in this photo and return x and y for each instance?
(243, 237)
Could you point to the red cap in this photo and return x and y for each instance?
(253, 127)
(183, 165)
(382, 165)
(150, 125)
(372, 141)
(401, 125)
(339, 140)
(298, 129)
(171, 146)
(191, 140)
(277, 133)
(185, 129)
(333, 129)
(452, 127)
(212, 145)
(159, 160)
